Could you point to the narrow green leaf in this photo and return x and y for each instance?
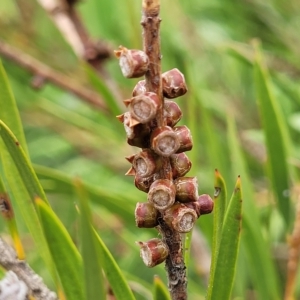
(228, 249)
(260, 264)
(160, 291)
(113, 273)
(8, 109)
(22, 163)
(92, 257)
(275, 131)
(65, 255)
(220, 197)
(23, 189)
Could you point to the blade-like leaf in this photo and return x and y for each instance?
(113, 273)
(65, 255)
(160, 291)
(8, 109)
(92, 257)
(260, 265)
(228, 249)
(220, 197)
(22, 163)
(275, 136)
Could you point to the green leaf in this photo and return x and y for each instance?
(160, 291)
(65, 255)
(92, 257)
(113, 273)
(22, 163)
(220, 197)
(275, 136)
(228, 249)
(8, 109)
(261, 267)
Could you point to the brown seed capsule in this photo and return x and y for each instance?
(173, 84)
(143, 107)
(140, 88)
(164, 141)
(162, 194)
(133, 63)
(172, 113)
(153, 252)
(204, 205)
(137, 135)
(184, 137)
(145, 215)
(186, 189)
(180, 164)
(143, 183)
(145, 163)
(180, 217)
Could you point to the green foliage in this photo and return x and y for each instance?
(242, 108)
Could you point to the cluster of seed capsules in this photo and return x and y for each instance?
(176, 200)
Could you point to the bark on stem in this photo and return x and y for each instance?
(175, 266)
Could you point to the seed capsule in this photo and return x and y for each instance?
(143, 107)
(153, 252)
(173, 84)
(140, 88)
(143, 183)
(133, 63)
(137, 135)
(180, 164)
(162, 194)
(180, 217)
(145, 163)
(184, 137)
(164, 141)
(172, 113)
(145, 215)
(186, 189)
(204, 205)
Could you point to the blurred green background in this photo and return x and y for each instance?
(211, 42)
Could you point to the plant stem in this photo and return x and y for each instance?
(175, 266)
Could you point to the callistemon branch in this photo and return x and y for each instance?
(173, 204)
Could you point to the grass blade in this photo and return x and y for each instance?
(228, 250)
(92, 257)
(160, 291)
(220, 198)
(65, 255)
(113, 273)
(259, 261)
(275, 136)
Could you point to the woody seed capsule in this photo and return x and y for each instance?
(153, 252)
(137, 135)
(180, 217)
(180, 164)
(162, 194)
(186, 189)
(173, 84)
(145, 215)
(143, 183)
(140, 88)
(204, 205)
(172, 113)
(164, 141)
(133, 63)
(184, 137)
(143, 107)
(145, 163)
